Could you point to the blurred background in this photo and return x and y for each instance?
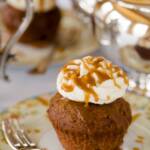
(38, 36)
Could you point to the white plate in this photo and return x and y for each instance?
(33, 117)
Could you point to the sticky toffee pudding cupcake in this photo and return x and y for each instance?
(89, 112)
(45, 22)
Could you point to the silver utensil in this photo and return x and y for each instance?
(8, 46)
(16, 137)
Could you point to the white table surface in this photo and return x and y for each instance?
(24, 85)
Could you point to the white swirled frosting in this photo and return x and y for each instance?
(39, 5)
(92, 79)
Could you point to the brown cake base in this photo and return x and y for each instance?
(43, 27)
(84, 142)
(96, 127)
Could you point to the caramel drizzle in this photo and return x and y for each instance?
(67, 88)
(98, 66)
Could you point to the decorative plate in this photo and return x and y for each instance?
(32, 114)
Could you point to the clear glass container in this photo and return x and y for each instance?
(122, 28)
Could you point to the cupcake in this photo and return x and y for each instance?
(44, 25)
(141, 54)
(89, 112)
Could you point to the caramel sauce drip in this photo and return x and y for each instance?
(67, 88)
(41, 4)
(87, 98)
(87, 88)
(95, 66)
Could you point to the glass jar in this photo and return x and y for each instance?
(122, 28)
(127, 15)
